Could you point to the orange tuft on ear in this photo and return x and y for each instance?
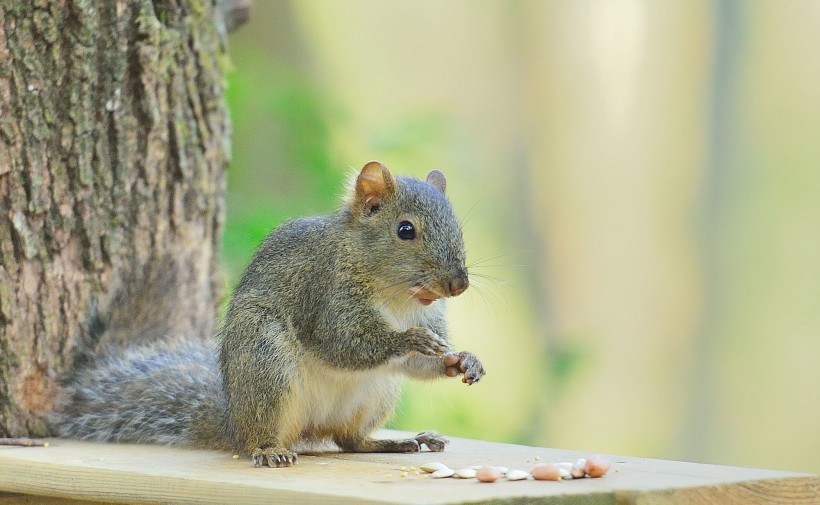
(374, 184)
(437, 179)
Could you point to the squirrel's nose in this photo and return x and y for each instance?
(458, 285)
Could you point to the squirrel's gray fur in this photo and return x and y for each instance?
(329, 316)
(166, 393)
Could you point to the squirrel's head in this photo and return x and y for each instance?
(406, 235)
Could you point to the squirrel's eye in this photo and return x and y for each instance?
(406, 230)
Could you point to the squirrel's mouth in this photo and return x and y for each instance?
(423, 295)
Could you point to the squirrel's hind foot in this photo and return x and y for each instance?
(432, 440)
(274, 457)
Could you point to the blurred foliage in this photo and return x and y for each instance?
(281, 165)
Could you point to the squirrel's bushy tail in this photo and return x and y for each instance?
(149, 304)
(138, 378)
(163, 393)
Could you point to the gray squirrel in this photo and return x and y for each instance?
(329, 317)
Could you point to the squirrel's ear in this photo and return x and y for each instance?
(373, 185)
(437, 179)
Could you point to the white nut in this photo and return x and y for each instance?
(517, 475)
(443, 473)
(465, 473)
(432, 467)
(578, 468)
(502, 469)
(564, 473)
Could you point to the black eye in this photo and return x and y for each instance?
(406, 230)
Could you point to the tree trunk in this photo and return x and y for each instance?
(114, 140)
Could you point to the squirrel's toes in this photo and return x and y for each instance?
(274, 457)
(432, 440)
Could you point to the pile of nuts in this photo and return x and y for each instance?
(593, 466)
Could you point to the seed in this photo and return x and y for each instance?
(403, 469)
(503, 469)
(488, 474)
(578, 470)
(465, 473)
(538, 458)
(432, 467)
(597, 466)
(403, 474)
(547, 471)
(565, 474)
(443, 473)
(517, 475)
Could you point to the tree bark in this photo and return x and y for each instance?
(114, 139)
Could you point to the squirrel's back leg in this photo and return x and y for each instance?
(266, 428)
(273, 447)
(431, 439)
(263, 422)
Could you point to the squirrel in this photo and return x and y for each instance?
(328, 319)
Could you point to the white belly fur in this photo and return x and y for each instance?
(331, 397)
(328, 398)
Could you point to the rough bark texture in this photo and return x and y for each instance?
(114, 140)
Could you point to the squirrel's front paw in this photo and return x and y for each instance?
(273, 457)
(426, 342)
(464, 363)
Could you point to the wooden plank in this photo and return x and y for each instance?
(151, 475)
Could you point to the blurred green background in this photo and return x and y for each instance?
(640, 184)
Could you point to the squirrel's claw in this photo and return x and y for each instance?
(273, 457)
(432, 440)
(426, 342)
(464, 363)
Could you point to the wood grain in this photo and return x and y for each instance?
(149, 474)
